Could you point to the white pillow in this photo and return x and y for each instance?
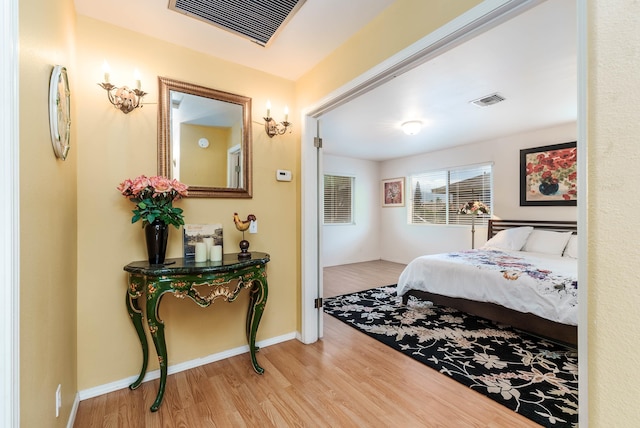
(547, 242)
(509, 239)
(572, 248)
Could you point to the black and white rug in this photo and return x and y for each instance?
(532, 376)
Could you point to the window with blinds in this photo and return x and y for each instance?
(437, 196)
(338, 199)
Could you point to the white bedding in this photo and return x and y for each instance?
(542, 284)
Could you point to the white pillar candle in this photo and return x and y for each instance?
(216, 253)
(201, 252)
(208, 242)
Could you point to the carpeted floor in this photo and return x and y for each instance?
(534, 377)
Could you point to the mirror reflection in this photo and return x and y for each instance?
(204, 139)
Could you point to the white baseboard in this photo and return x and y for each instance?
(124, 383)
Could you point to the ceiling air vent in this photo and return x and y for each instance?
(256, 20)
(488, 100)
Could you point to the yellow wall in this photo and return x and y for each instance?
(48, 246)
(404, 22)
(113, 146)
(614, 236)
(204, 166)
(109, 146)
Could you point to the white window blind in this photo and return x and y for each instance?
(338, 199)
(437, 196)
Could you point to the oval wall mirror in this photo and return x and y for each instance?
(190, 115)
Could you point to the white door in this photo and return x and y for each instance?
(234, 166)
(312, 227)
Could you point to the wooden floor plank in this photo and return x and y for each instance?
(346, 379)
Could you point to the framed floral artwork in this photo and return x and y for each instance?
(548, 175)
(393, 192)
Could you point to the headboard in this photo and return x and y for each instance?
(496, 226)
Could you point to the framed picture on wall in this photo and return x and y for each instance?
(548, 175)
(393, 192)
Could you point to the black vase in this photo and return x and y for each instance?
(549, 188)
(157, 234)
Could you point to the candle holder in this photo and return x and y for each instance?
(272, 128)
(124, 99)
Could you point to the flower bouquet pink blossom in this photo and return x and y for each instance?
(475, 208)
(154, 197)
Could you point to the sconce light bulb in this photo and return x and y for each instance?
(106, 70)
(136, 76)
(268, 108)
(286, 113)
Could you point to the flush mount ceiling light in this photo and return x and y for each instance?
(412, 127)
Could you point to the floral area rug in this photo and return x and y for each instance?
(532, 376)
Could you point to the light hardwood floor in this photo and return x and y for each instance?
(354, 277)
(347, 379)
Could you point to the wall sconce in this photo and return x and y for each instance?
(271, 127)
(124, 99)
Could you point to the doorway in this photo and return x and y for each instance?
(406, 60)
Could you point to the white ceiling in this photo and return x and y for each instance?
(317, 29)
(530, 60)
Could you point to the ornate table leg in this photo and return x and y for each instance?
(156, 327)
(257, 301)
(136, 317)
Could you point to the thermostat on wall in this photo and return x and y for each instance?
(283, 175)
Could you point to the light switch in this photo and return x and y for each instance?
(283, 175)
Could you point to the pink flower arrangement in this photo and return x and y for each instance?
(154, 197)
(474, 207)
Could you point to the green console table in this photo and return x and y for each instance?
(203, 283)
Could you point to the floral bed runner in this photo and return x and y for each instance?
(541, 284)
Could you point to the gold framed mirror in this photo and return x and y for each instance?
(204, 139)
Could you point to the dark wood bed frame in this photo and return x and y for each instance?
(534, 324)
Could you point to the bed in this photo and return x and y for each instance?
(525, 276)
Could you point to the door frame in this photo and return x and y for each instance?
(9, 218)
(486, 15)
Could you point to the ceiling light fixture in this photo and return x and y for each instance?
(412, 127)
